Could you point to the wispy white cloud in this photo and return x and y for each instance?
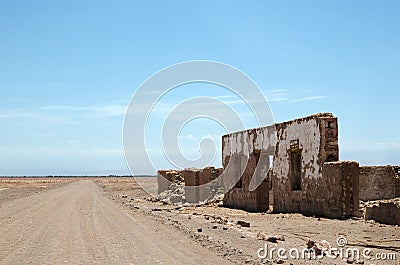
(63, 149)
(370, 146)
(91, 111)
(189, 137)
(63, 114)
(214, 137)
(34, 115)
(278, 91)
(282, 95)
(309, 98)
(277, 95)
(225, 97)
(66, 143)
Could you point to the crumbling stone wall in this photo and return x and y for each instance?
(386, 212)
(300, 149)
(196, 177)
(379, 182)
(248, 146)
(166, 177)
(339, 190)
(240, 196)
(190, 179)
(316, 139)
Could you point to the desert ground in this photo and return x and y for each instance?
(114, 221)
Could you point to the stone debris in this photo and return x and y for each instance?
(320, 246)
(174, 187)
(173, 195)
(216, 219)
(273, 239)
(243, 223)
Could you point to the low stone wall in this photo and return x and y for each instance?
(196, 177)
(379, 182)
(190, 178)
(385, 212)
(338, 195)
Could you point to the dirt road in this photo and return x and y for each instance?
(77, 224)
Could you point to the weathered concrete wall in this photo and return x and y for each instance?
(246, 149)
(240, 196)
(379, 182)
(191, 178)
(339, 190)
(315, 140)
(196, 177)
(384, 212)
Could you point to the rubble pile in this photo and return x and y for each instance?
(174, 195)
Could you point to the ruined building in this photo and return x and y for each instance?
(293, 166)
(306, 175)
(185, 184)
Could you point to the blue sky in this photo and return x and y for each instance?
(69, 68)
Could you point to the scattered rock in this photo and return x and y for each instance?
(273, 239)
(176, 198)
(243, 223)
(173, 195)
(319, 246)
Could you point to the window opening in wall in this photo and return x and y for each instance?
(238, 171)
(295, 169)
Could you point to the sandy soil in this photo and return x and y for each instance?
(77, 224)
(221, 233)
(13, 188)
(112, 220)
